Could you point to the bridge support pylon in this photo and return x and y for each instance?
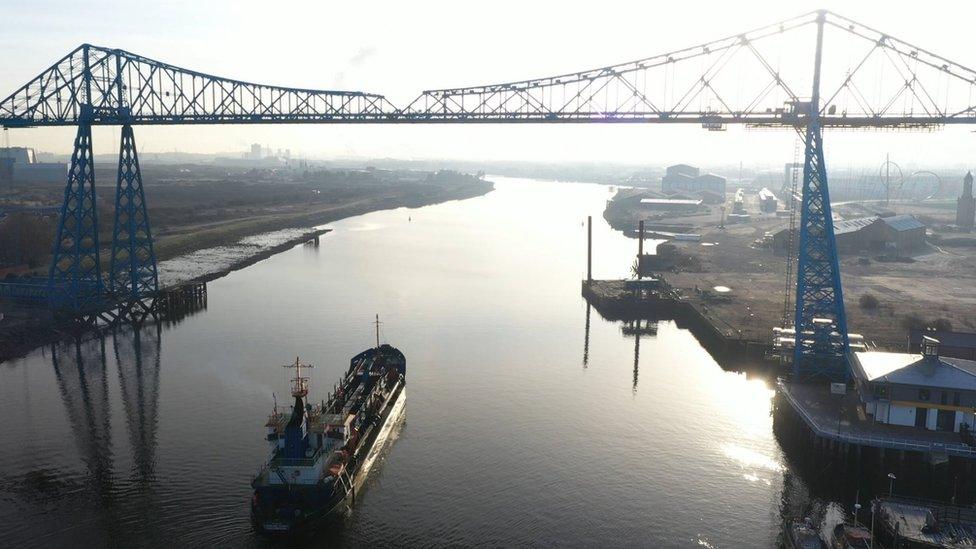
(75, 277)
(821, 343)
(133, 275)
(821, 322)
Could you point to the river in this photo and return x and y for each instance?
(522, 426)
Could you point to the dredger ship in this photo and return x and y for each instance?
(321, 453)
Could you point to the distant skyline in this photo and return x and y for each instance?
(399, 49)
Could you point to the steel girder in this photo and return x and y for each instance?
(132, 273)
(123, 88)
(748, 78)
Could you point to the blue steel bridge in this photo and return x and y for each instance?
(806, 74)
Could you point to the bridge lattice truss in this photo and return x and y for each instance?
(761, 77)
(857, 77)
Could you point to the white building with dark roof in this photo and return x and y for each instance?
(924, 390)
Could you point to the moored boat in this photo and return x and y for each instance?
(851, 536)
(801, 534)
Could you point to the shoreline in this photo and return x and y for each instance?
(27, 334)
(308, 231)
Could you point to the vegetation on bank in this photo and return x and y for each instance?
(194, 207)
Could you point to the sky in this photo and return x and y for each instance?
(400, 48)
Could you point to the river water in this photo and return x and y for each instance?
(522, 426)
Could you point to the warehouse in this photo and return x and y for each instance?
(685, 178)
(671, 204)
(903, 233)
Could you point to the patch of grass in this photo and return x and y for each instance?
(869, 302)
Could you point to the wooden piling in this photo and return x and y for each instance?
(640, 239)
(589, 248)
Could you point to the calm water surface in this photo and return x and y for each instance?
(519, 429)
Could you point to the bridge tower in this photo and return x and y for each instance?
(75, 276)
(821, 342)
(132, 273)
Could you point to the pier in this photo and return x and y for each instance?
(838, 418)
(655, 298)
(177, 302)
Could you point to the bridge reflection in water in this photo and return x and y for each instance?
(82, 372)
(137, 355)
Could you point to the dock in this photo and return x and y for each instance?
(654, 298)
(915, 522)
(837, 418)
(176, 302)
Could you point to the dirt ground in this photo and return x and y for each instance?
(938, 284)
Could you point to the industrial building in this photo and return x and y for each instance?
(685, 178)
(966, 205)
(671, 204)
(858, 234)
(711, 197)
(767, 201)
(901, 234)
(20, 165)
(924, 390)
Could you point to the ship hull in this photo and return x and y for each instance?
(341, 496)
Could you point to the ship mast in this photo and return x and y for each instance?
(299, 387)
(377, 331)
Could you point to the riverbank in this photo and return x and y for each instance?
(242, 243)
(736, 273)
(234, 246)
(193, 207)
(180, 240)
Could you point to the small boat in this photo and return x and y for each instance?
(851, 536)
(802, 534)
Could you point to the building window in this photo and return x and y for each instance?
(880, 391)
(955, 399)
(923, 394)
(943, 398)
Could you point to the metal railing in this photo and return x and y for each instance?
(893, 443)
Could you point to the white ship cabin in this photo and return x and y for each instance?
(917, 390)
(324, 433)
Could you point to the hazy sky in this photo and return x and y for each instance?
(402, 47)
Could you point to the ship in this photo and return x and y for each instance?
(321, 454)
(802, 534)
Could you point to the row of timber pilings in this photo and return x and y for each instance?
(177, 302)
(839, 470)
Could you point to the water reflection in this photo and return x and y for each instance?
(636, 328)
(137, 354)
(80, 369)
(586, 338)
